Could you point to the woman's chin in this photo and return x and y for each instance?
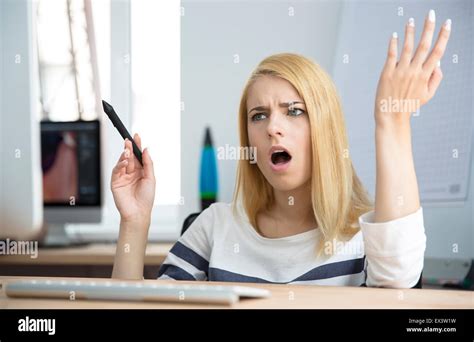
(285, 180)
(285, 183)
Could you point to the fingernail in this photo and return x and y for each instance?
(411, 22)
(395, 35)
(432, 16)
(127, 153)
(447, 24)
(439, 64)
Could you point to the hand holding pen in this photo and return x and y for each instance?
(133, 179)
(133, 185)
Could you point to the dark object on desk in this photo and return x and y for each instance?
(469, 280)
(70, 243)
(109, 110)
(465, 284)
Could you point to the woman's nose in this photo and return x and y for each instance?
(275, 125)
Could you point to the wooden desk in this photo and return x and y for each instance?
(93, 254)
(283, 296)
(94, 260)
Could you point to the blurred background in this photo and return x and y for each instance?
(172, 69)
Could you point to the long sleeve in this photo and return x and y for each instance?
(394, 250)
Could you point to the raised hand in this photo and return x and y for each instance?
(408, 83)
(133, 185)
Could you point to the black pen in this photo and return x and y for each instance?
(109, 110)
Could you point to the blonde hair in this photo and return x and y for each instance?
(338, 197)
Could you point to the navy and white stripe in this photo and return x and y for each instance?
(187, 257)
(184, 264)
(333, 270)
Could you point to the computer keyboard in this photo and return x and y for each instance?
(132, 291)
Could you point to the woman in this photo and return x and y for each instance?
(300, 214)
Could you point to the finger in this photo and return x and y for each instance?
(407, 52)
(120, 168)
(439, 48)
(435, 81)
(131, 157)
(392, 53)
(138, 140)
(148, 168)
(426, 39)
(123, 155)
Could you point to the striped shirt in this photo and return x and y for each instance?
(219, 246)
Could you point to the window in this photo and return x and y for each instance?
(155, 46)
(70, 34)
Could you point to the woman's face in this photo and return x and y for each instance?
(278, 127)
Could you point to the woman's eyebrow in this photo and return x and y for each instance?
(283, 104)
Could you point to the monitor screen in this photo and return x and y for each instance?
(70, 161)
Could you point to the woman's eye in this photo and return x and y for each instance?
(258, 117)
(295, 111)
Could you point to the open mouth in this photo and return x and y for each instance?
(280, 157)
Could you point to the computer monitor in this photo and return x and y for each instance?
(21, 205)
(22, 214)
(70, 161)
